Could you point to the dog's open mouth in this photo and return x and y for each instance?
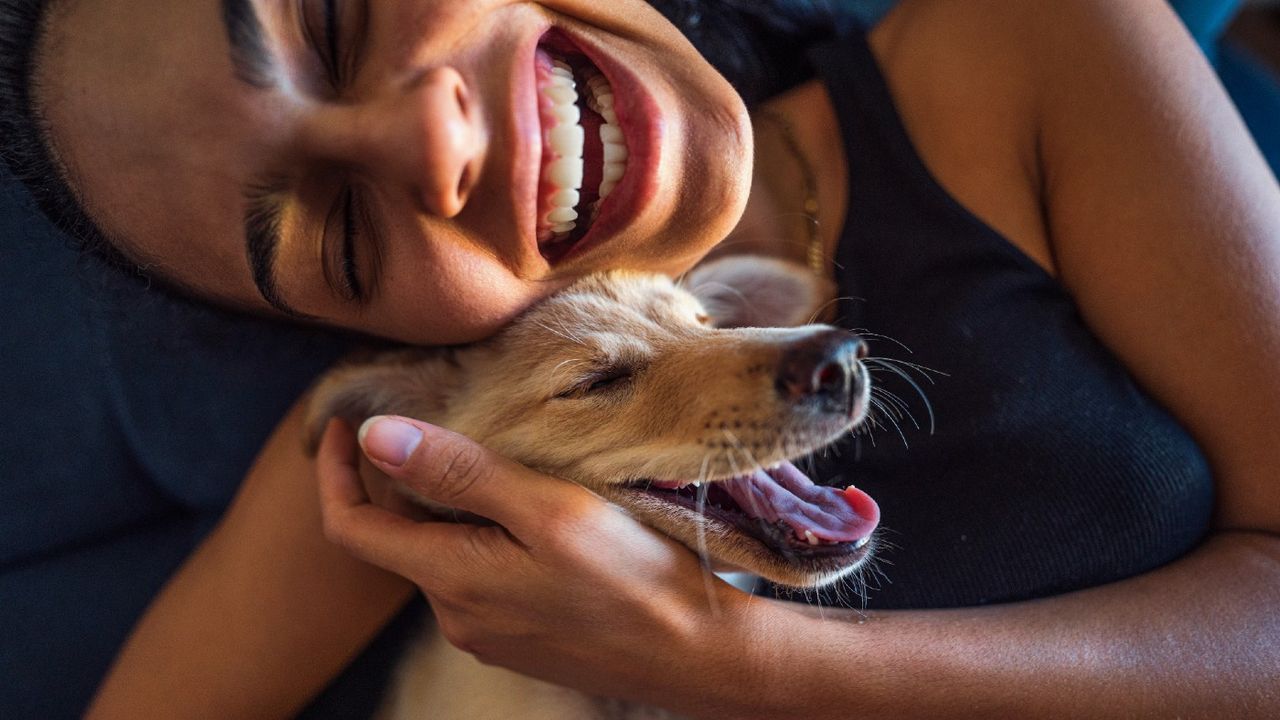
(781, 508)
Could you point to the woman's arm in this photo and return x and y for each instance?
(1165, 225)
(1197, 639)
(262, 615)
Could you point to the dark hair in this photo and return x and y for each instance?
(757, 44)
(24, 142)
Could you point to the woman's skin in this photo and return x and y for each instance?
(434, 126)
(1116, 162)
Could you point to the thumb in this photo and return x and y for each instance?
(453, 470)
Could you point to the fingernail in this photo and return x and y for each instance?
(389, 440)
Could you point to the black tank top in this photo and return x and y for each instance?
(1049, 469)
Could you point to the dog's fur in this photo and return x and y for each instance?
(621, 378)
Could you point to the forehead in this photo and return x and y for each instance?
(144, 112)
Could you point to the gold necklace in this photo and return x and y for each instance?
(815, 253)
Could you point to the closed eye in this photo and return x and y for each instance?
(336, 32)
(350, 258)
(599, 383)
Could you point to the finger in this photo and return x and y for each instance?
(367, 531)
(423, 552)
(453, 470)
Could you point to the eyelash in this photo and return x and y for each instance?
(328, 52)
(324, 41)
(350, 271)
(603, 381)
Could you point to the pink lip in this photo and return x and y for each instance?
(642, 125)
(526, 170)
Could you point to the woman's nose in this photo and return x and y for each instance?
(427, 136)
(452, 146)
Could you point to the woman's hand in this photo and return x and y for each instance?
(566, 588)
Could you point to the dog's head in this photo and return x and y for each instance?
(653, 395)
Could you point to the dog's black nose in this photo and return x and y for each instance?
(823, 367)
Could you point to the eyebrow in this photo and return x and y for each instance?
(262, 239)
(252, 59)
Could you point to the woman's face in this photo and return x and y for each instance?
(398, 167)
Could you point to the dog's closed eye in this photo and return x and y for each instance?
(604, 380)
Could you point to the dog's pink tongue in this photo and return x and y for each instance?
(787, 495)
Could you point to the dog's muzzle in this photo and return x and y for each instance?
(823, 370)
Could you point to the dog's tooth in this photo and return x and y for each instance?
(862, 543)
(808, 535)
(696, 483)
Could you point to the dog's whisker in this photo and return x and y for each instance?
(559, 333)
(919, 390)
(889, 402)
(901, 411)
(867, 333)
(904, 409)
(889, 416)
(704, 555)
(569, 362)
(925, 371)
(823, 307)
(742, 447)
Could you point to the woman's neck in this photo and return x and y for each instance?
(799, 166)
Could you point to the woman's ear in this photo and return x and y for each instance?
(410, 383)
(757, 291)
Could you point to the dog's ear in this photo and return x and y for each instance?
(757, 291)
(413, 383)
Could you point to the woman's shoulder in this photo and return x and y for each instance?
(965, 96)
(971, 81)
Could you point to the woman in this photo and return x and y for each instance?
(1111, 218)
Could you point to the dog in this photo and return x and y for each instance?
(682, 403)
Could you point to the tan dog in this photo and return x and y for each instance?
(655, 396)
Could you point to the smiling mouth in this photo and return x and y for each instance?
(584, 149)
(781, 508)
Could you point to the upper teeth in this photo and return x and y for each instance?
(567, 138)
